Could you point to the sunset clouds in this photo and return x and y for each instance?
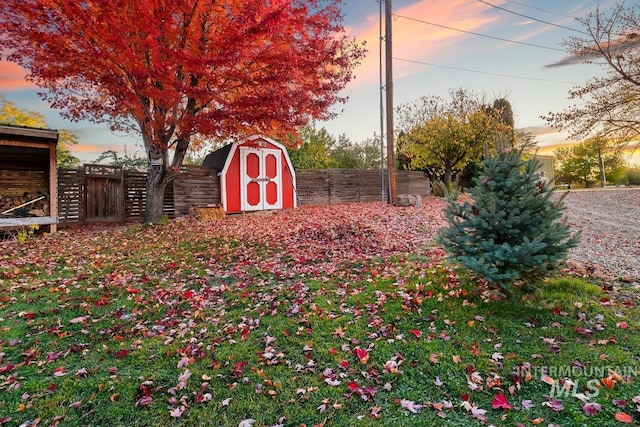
(413, 39)
(12, 77)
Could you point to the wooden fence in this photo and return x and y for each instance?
(75, 195)
(197, 186)
(335, 186)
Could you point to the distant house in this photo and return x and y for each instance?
(254, 174)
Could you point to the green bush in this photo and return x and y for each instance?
(512, 230)
(633, 176)
(450, 192)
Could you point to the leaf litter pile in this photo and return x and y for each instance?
(341, 315)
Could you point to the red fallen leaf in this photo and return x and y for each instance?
(410, 405)
(416, 332)
(362, 354)
(52, 387)
(500, 401)
(623, 417)
(187, 294)
(76, 405)
(474, 349)
(122, 353)
(353, 386)
(5, 420)
(199, 397)
(622, 325)
(133, 290)
(144, 401)
(620, 403)
(102, 302)
(6, 368)
(553, 404)
(583, 331)
(52, 356)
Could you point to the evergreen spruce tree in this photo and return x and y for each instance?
(512, 230)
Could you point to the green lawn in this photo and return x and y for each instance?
(338, 316)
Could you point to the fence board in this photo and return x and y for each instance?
(412, 182)
(194, 186)
(70, 196)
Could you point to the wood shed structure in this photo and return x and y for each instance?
(28, 180)
(254, 174)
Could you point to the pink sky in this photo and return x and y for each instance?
(410, 36)
(12, 77)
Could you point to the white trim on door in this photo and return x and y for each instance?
(262, 179)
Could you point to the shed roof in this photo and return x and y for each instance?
(217, 159)
(24, 133)
(25, 148)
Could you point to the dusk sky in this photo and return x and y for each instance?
(428, 60)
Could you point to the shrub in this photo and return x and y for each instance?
(451, 192)
(512, 229)
(633, 176)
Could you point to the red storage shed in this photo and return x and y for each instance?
(254, 174)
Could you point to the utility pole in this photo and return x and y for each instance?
(381, 70)
(603, 176)
(391, 157)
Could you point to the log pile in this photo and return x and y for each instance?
(30, 204)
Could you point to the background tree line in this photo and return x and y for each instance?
(594, 162)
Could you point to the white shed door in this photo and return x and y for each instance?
(261, 181)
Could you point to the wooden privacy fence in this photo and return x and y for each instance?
(98, 193)
(335, 186)
(91, 194)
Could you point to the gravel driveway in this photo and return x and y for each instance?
(610, 224)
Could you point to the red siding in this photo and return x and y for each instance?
(233, 184)
(288, 194)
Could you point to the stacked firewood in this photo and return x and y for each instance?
(35, 203)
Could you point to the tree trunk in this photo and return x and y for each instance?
(156, 184)
(603, 178)
(448, 172)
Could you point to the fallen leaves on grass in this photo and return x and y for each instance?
(277, 310)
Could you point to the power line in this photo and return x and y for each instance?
(531, 17)
(483, 72)
(540, 9)
(477, 34)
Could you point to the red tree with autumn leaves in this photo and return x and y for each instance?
(171, 69)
